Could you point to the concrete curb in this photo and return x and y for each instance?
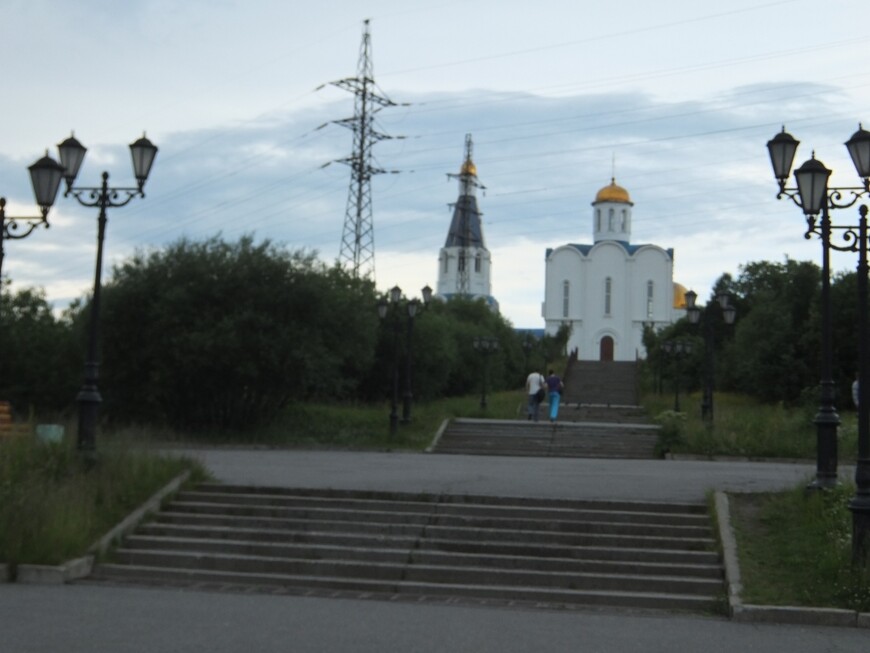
(743, 612)
(82, 567)
(438, 435)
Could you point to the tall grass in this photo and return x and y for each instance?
(795, 549)
(53, 507)
(743, 426)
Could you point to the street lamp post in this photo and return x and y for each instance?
(695, 314)
(485, 345)
(677, 349)
(72, 154)
(45, 177)
(816, 198)
(412, 307)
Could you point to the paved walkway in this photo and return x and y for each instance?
(86, 618)
(654, 480)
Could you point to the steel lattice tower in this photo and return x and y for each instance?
(357, 240)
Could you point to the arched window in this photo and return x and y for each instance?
(624, 220)
(610, 220)
(598, 219)
(477, 262)
(608, 289)
(649, 298)
(566, 297)
(461, 266)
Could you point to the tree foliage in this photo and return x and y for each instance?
(217, 335)
(41, 361)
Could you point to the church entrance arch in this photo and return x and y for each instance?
(606, 349)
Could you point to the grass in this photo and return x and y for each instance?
(744, 427)
(53, 507)
(795, 549)
(359, 426)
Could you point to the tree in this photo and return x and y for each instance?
(40, 363)
(775, 355)
(218, 335)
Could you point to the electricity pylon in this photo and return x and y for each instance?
(357, 239)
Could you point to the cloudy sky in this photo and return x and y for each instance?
(677, 97)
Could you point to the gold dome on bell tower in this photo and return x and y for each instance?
(613, 193)
(468, 168)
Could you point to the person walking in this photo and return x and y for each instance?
(554, 388)
(535, 389)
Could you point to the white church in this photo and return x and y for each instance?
(609, 290)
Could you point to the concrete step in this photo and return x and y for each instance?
(562, 439)
(399, 552)
(516, 549)
(166, 532)
(532, 596)
(392, 568)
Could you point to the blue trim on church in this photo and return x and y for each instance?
(630, 249)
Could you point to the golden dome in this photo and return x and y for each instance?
(613, 193)
(468, 168)
(679, 295)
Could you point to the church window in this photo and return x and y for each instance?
(598, 219)
(649, 299)
(477, 262)
(461, 266)
(608, 288)
(610, 220)
(566, 297)
(624, 221)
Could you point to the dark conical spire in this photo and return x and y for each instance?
(465, 228)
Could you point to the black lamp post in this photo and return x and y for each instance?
(678, 350)
(72, 154)
(412, 307)
(485, 345)
(695, 313)
(815, 199)
(45, 177)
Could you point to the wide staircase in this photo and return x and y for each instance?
(449, 548)
(599, 417)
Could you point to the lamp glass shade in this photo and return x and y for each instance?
(382, 308)
(395, 294)
(859, 150)
(694, 314)
(690, 297)
(427, 294)
(143, 152)
(729, 313)
(782, 149)
(72, 153)
(45, 175)
(413, 305)
(812, 182)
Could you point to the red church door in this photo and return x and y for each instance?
(607, 348)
